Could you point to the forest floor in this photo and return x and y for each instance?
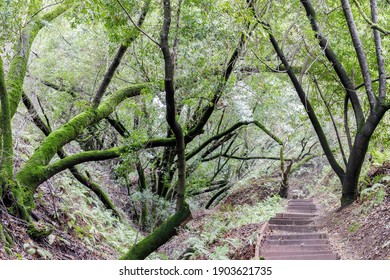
(227, 231)
(361, 230)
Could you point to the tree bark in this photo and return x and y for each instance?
(159, 237)
(357, 156)
(171, 106)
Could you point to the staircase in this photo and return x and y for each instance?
(293, 235)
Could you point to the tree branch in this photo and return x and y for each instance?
(359, 52)
(336, 64)
(379, 53)
(87, 182)
(138, 26)
(332, 119)
(118, 56)
(31, 171)
(216, 137)
(373, 23)
(18, 66)
(242, 158)
(306, 103)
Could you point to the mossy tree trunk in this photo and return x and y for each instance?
(159, 237)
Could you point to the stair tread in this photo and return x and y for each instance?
(294, 234)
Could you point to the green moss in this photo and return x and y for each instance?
(38, 231)
(354, 227)
(161, 235)
(6, 239)
(33, 172)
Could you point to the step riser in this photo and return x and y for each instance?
(293, 228)
(312, 257)
(295, 216)
(309, 236)
(296, 242)
(299, 204)
(301, 208)
(294, 248)
(302, 200)
(297, 253)
(289, 222)
(300, 211)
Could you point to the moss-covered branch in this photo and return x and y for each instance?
(5, 130)
(88, 156)
(159, 237)
(87, 182)
(34, 168)
(369, 21)
(18, 66)
(269, 133)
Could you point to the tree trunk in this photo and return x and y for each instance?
(159, 237)
(357, 156)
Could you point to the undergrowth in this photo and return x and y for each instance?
(92, 223)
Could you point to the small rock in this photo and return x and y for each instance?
(51, 239)
(31, 251)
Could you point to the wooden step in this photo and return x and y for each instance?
(304, 257)
(303, 207)
(294, 253)
(300, 204)
(294, 248)
(293, 228)
(289, 221)
(296, 242)
(304, 236)
(302, 200)
(302, 211)
(295, 215)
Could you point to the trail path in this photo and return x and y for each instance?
(293, 235)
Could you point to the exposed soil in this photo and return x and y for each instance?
(360, 231)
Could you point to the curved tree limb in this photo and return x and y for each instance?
(87, 182)
(359, 52)
(379, 53)
(158, 237)
(6, 145)
(309, 109)
(374, 24)
(336, 64)
(243, 158)
(32, 170)
(18, 66)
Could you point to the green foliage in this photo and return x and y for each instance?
(91, 222)
(375, 194)
(354, 227)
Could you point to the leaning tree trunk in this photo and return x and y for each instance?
(159, 237)
(357, 156)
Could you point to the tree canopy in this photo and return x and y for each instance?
(188, 97)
